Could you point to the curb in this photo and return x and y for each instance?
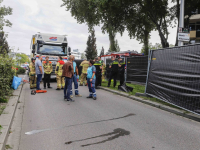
(157, 105)
(7, 116)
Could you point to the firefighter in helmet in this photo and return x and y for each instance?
(48, 68)
(32, 74)
(59, 70)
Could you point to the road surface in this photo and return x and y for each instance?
(47, 122)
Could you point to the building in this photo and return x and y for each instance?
(194, 27)
(76, 53)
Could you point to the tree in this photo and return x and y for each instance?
(4, 11)
(102, 52)
(83, 56)
(22, 58)
(91, 50)
(95, 13)
(117, 46)
(151, 46)
(4, 48)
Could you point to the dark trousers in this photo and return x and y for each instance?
(121, 76)
(113, 75)
(98, 79)
(39, 78)
(68, 87)
(74, 79)
(47, 79)
(91, 87)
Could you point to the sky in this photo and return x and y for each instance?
(47, 16)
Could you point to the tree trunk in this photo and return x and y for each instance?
(112, 39)
(162, 38)
(178, 10)
(146, 42)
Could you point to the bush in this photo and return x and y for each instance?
(6, 76)
(20, 70)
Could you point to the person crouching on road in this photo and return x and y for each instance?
(59, 71)
(47, 72)
(32, 75)
(91, 80)
(68, 73)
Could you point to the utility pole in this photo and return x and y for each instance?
(181, 19)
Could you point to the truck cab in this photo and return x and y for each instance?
(51, 45)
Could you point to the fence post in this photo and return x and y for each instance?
(149, 64)
(125, 69)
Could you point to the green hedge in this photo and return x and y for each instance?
(6, 76)
(20, 70)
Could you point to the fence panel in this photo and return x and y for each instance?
(137, 69)
(174, 76)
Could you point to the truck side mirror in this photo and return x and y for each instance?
(69, 51)
(33, 51)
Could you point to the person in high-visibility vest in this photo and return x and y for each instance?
(84, 64)
(114, 71)
(103, 72)
(102, 67)
(32, 74)
(59, 71)
(97, 64)
(48, 68)
(121, 70)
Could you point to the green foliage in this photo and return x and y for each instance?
(4, 48)
(2, 107)
(91, 50)
(20, 70)
(22, 58)
(102, 52)
(83, 56)
(117, 46)
(155, 46)
(4, 11)
(6, 76)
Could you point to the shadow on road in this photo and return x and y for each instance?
(116, 134)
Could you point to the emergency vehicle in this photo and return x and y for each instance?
(51, 45)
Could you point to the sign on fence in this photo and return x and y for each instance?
(184, 37)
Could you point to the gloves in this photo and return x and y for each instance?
(77, 76)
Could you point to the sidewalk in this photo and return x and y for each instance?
(154, 104)
(7, 116)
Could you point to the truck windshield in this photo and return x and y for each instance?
(51, 49)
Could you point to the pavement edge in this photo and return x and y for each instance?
(8, 115)
(157, 105)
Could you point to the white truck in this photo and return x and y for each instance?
(50, 45)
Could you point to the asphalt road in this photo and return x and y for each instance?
(111, 122)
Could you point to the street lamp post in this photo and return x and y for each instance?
(181, 19)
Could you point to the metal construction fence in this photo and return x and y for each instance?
(174, 76)
(136, 69)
